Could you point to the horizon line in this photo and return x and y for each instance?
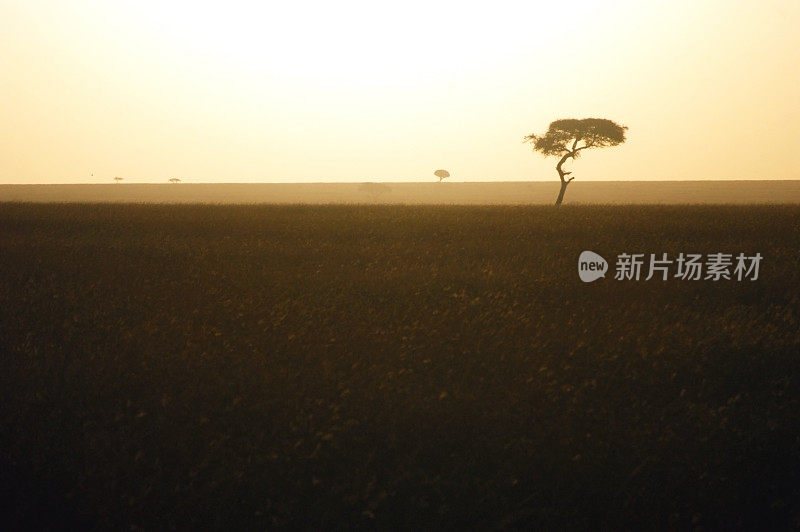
(187, 181)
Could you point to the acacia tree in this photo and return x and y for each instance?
(568, 137)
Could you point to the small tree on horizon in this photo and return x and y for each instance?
(567, 137)
(441, 174)
(117, 179)
(374, 190)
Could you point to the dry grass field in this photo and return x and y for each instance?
(252, 367)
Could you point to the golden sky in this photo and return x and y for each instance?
(391, 91)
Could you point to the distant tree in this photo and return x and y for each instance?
(174, 180)
(374, 189)
(566, 139)
(441, 174)
(117, 179)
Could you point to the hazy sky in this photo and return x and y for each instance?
(355, 91)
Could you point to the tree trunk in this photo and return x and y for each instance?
(562, 175)
(560, 198)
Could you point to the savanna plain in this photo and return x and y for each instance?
(394, 366)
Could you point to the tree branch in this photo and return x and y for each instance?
(564, 158)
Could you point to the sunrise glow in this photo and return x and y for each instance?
(353, 91)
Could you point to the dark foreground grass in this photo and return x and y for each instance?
(258, 367)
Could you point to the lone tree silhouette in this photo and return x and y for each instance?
(117, 179)
(566, 138)
(174, 180)
(441, 174)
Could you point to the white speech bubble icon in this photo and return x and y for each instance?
(591, 266)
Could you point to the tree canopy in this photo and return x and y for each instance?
(567, 137)
(563, 136)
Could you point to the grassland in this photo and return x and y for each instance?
(455, 193)
(389, 366)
